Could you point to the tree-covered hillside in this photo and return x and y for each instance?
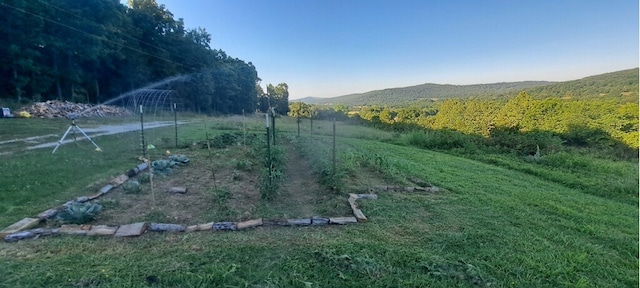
(621, 84)
(94, 50)
(430, 92)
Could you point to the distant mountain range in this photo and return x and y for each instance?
(621, 83)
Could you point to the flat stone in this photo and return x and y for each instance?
(132, 172)
(119, 180)
(249, 224)
(135, 229)
(220, 226)
(47, 214)
(28, 234)
(409, 189)
(102, 230)
(82, 199)
(432, 189)
(164, 227)
(106, 188)
(179, 190)
(191, 228)
(142, 166)
(274, 222)
(299, 222)
(367, 196)
(317, 221)
(343, 220)
(68, 203)
(205, 227)
(74, 229)
(21, 225)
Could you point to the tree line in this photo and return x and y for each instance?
(521, 123)
(93, 50)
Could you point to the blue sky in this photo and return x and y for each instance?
(327, 48)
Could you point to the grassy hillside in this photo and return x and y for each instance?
(620, 84)
(489, 226)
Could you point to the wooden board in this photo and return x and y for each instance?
(354, 207)
(204, 227)
(47, 214)
(74, 229)
(249, 224)
(342, 220)
(23, 224)
(119, 180)
(135, 229)
(102, 230)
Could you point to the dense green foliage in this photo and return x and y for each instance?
(92, 51)
(621, 85)
(277, 97)
(593, 123)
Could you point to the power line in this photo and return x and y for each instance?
(93, 35)
(98, 24)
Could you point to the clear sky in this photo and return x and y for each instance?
(327, 48)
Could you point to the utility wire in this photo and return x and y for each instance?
(98, 24)
(93, 35)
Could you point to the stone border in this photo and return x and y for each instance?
(31, 222)
(22, 229)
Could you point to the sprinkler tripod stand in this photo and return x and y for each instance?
(73, 129)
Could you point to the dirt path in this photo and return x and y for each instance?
(299, 193)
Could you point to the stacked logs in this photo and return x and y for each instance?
(62, 109)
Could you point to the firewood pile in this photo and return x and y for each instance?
(63, 109)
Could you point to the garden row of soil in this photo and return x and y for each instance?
(211, 192)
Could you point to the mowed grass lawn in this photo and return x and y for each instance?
(490, 226)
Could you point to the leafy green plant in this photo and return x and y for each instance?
(235, 175)
(132, 187)
(243, 165)
(144, 177)
(272, 175)
(79, 213)
(535, 157)
(162, 167)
